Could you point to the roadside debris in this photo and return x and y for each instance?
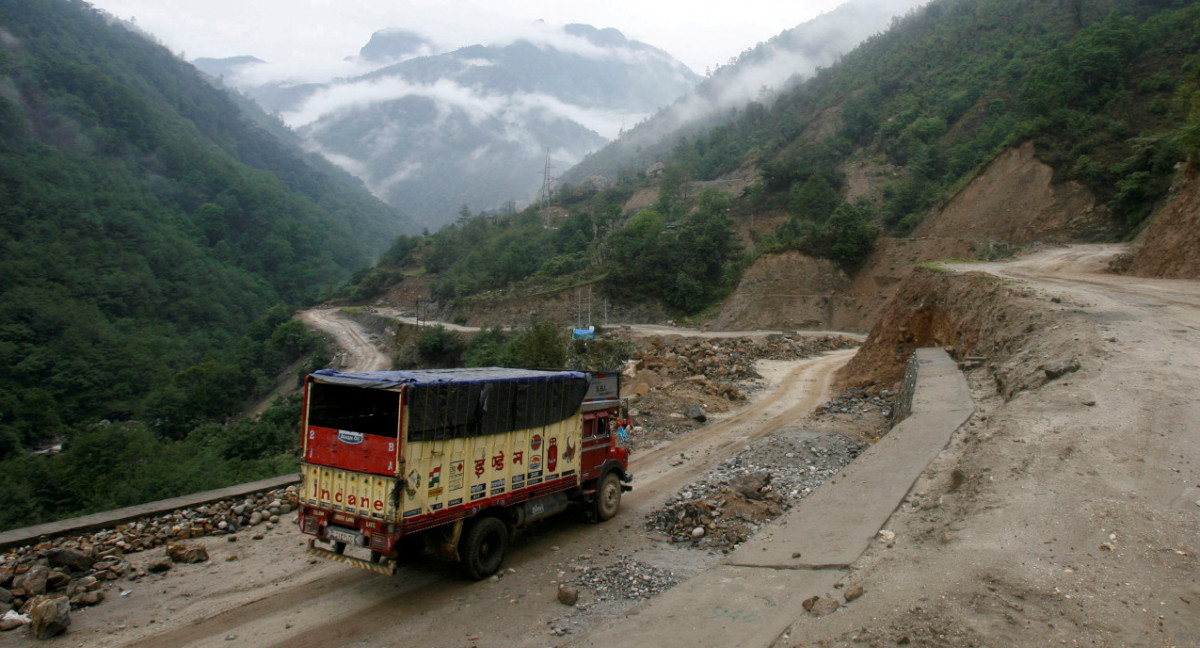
(726, 506)
(76, 569)
(626, 578)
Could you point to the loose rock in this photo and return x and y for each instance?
(183, 552)
(820, 606)
(567, 595)
(49, 616)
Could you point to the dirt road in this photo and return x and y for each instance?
(1068, 515)
(644, 330)
(267, 592)
(358, 352)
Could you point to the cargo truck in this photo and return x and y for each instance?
(452, 462)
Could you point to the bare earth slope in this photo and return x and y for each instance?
(1013, 202)
(1066, 511)
(1168, 246)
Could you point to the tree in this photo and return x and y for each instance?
(439, 347)
(814, 200)
(541, 346)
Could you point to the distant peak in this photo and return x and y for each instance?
(608, 36)
(393, 44)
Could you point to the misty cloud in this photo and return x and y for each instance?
(477, 105)
(764, 71)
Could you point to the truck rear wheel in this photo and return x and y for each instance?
(482, 547)
(608, 497)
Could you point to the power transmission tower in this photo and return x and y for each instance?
(546, 180)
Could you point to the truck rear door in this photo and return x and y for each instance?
(353, 429)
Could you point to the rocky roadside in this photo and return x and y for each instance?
(40, 584)
(678, 382)
(724, 508)
(729, 504)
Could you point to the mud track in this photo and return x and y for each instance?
(303, 604)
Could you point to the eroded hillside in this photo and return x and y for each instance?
(1168, 246)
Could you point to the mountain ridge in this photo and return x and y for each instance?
(509, 110)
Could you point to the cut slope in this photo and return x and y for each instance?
(1016, 200)
(1168, 247)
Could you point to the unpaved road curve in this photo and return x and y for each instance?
(1082, 269)
(638, 329)
(1069, 514)
(359, 352)
(267, 592)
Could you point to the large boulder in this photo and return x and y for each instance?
(49, 616)
(75, 559)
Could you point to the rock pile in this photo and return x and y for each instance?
(76, 569)
(626, 578)
(726, 506)
(858, 402)
(718, 366)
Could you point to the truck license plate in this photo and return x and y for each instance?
(341, 535)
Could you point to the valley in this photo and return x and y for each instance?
(1067, 503)
(1000, 199)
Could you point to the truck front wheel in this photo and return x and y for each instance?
(608, 497)
(482, 547)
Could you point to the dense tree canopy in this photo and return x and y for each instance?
(150, 236)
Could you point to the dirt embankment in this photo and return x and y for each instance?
(788, 290)
(1064, 511)
(1168, 248)
(981, 319)
(1013, 202)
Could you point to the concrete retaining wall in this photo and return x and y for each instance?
(109, 519)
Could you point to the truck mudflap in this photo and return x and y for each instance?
(384, 566)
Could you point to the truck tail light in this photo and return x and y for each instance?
(379, 543)
(310, 525)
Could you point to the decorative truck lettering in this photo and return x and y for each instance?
(453, 460)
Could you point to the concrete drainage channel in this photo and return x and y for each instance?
(760, 589)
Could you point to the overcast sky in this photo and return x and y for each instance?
(313, 36)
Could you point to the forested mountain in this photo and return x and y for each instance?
(477, 125)
(758, 75)
(1101, 88)
(1107, 92)
(147, 228)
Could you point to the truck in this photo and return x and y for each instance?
(453, 462)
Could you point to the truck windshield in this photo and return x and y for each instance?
(370, 411)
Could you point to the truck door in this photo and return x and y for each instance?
(597, 437)
(353, 429)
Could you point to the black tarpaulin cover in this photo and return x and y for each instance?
(456, 403)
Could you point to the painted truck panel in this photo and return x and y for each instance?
(344, 491)
(391, 454)
(455, 473)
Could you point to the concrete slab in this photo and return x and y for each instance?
(833, 526)
(724, 606)
(758, 592)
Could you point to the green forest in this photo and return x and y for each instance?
(154, 240)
